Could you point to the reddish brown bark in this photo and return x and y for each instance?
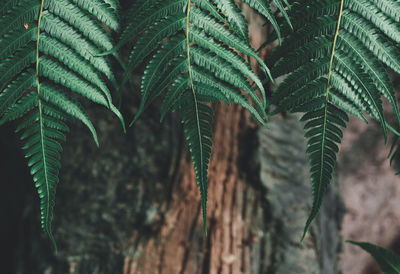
(180, 246)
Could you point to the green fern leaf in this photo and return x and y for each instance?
(192, 47)
(45, 48)
(335, 60)
(324, 133)
(391, 8)
(388, 262)
(197, 123)
(234, 17)
(104, 12)
(263, 8)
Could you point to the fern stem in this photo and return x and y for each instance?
(196, 107)
(37, 45)
(188, 45)
(47, 227)
(324, 130)
(334, 47)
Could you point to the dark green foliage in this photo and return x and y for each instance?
(323, 130)
(190, 45)
(386, 259)
(336, 58)
(46, 53)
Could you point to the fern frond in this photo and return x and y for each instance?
(391, 8)
(104, 12)
(197, 123)
(388, 261)
(146, 14)
(234, 17)
(263, 8)
(336, 59)
(193, 51)
(323, 131)
(281, 7)
(45, 48)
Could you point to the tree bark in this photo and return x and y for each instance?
(258, 201)
(134, 207)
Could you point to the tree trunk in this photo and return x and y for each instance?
(133, 206)
(258, 202)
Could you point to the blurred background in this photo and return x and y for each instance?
(133, 206)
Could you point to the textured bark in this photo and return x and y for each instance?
(258, 201)
(126, 212)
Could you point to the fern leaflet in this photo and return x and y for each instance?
(190, 44)
(45, 48)
(388, 261)
(360, 38)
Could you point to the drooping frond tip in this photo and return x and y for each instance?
(388, 261)
(336, 59)
(193, 47)
(45, 48)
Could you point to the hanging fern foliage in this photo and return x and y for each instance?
(336, 59)
(193, 50)
(46, 57)
(388, 262)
